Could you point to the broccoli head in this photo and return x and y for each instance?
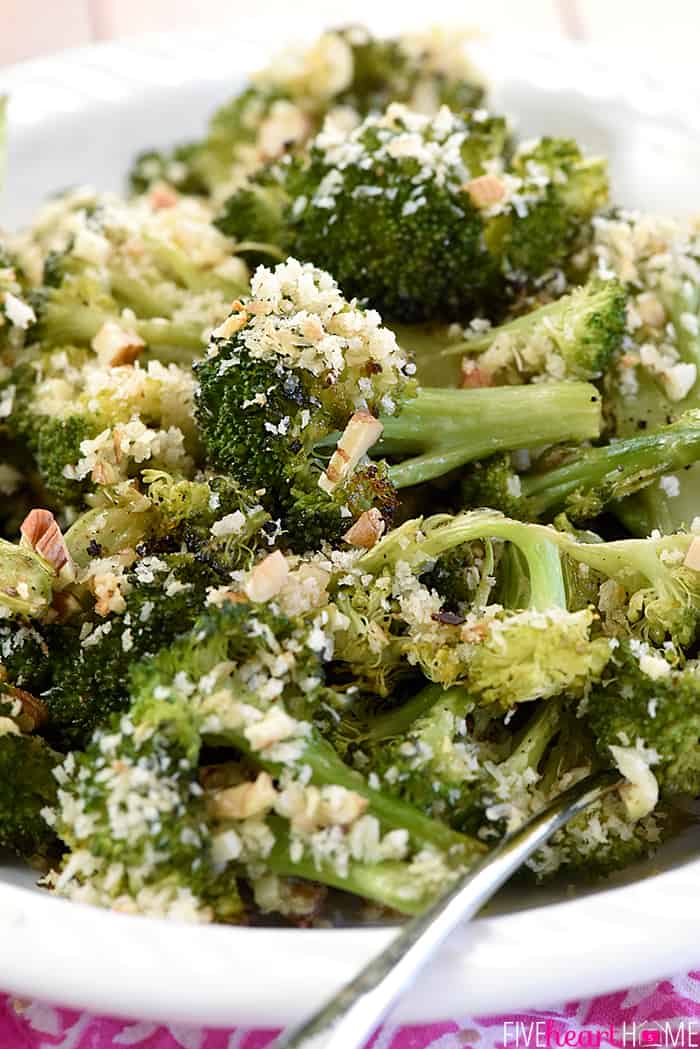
(90, 424)
(562, 190)
(648, 709)
(504, 655)
(574, 337)
(412, 201)
(137, 612)
(346, 71)
(27, 787)
(154, 269)
(293, 364)
(27, 784)
(133, 815)
(378, 204)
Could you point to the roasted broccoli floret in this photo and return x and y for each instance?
(460, 762)
(533, 649)
(647, 587)
(91, 424)
(246, 679)
(562, 190)
(27, 784)
(646, 711)
(573, 337)
(582, 482)
(151, 275)
(133, 816)
(297, 363)
(377, 205)
(347, 72)
(551, 752)
(412, 202)
(136, 613)
(176, 168)
(432, 751)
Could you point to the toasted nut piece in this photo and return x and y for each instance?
(162, 196)
(108, 595)
(692, 557)
(104, 474)
(367, 529)
(473, 377)
(247, 799)
(221, 596)
(485, 190)
(473, 633)
(650, 310)
(361, 432)
(231, 325)
(275, 727)
(34, 712)
(640, 793)
(8, 727)
(115, 346)
(41, 532)
(268, 577)
(340, 806)
(117, 444)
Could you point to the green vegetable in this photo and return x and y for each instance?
(573, 337)
(378, 204)
(588, 479)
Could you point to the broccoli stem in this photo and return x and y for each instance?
(443, 532)
(395, 723)
(534, 739)
(650, 509)
(78, 325)
(328, 769)
(619, 468)
(448, 428)
(391, 882)
(553, 313)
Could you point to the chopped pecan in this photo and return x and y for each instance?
(485, 191)
(367, 529)
(41, 532)
(34, 712)
(361, 432)
(268, 577)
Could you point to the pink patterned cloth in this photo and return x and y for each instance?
(665, 1014)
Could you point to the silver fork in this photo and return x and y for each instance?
(348, 1019)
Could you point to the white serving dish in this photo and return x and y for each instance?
(79, 118)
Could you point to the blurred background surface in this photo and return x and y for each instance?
(666, 33)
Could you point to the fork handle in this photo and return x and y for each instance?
(348, 1019)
